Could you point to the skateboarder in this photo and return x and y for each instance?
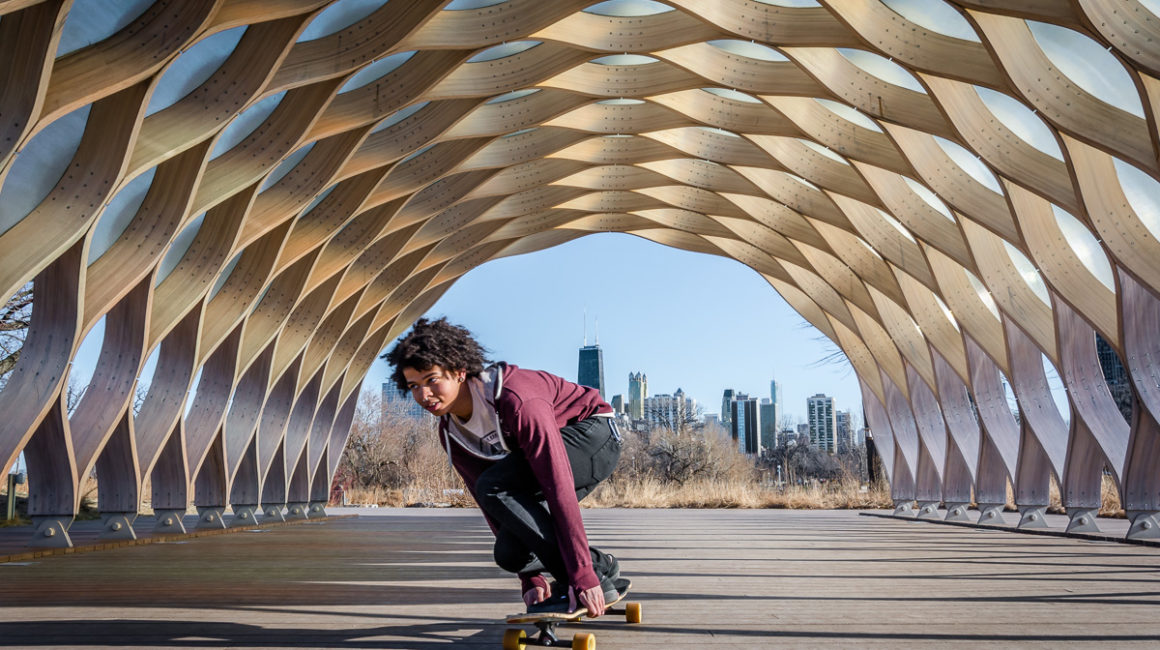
(529, 446)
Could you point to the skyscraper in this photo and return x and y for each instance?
(775, 397)
(845, 435)
(396, 405)
(637, 392)
(823, 426)
(745, 418)
(768, 424)
(727, 409)
(591, 372)
(675, 412)
(1116, 376)
(618, 404)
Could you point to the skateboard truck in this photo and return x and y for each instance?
(517, 639)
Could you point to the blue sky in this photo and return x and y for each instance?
(697, 322)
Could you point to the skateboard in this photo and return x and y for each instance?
(516, 639)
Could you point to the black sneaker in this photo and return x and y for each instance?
(554, 604)
(605, 565)
(608, 570)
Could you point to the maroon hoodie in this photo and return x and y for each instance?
(533, 406)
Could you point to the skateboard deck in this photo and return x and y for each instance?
(517, 639)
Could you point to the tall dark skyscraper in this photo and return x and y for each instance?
(727, 409)
(591, 372)
(1116, 376)
(745, 420)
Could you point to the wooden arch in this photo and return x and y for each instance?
(955, 207)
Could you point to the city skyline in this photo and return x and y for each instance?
(732, 330)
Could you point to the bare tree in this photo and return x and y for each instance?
(676, 458)
(15, 319)
(73, 395)
(391, 450)
(678, 419)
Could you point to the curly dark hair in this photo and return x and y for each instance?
(435, 343)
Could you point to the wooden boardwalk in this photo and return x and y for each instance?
(418, 579)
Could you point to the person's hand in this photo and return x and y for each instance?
(535, 595)
(592, 599)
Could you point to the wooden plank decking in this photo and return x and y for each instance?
(420, 579)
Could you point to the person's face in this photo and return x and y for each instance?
(436, 389)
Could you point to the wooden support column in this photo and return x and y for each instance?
(1140, 314)
(999, 447)
(1099, 433)
(962, 458)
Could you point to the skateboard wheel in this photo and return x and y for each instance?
(584, 641)
(513, 639)
(632, 613)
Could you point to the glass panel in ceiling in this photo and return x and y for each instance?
(624, 59)
(969, 163)
(503, 50)
(735, 95)
(850, 114)
(375, 71)
(624, 8)
(1021, 120)
(1089, 65)
(1086, 246)
(1143, 193)
(749, 50)
(882, 68)
(929, 197)
(1028, 272)
(338, 17)
(935, 15)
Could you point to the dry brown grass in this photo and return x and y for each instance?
(1109, 499)
(651, 493)
(409, 496)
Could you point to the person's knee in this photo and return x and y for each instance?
(512, 560)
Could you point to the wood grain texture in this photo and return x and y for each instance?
(876, 191)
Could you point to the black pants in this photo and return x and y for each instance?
(509, 493)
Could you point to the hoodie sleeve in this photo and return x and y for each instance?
(532, 423)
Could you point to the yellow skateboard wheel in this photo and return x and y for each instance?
(584, 641)
(632, 613)
(513, 639)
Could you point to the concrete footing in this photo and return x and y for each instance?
(51, 532)
(1082, 520)
(210, 517)
(118, 525)
(1032, 517)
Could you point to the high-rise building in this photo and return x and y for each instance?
(397, 405)
(845, 433)
(676, 412)
(1116, 376)
(727, 409)
(637, 392)
(768, 424)
(591, 372)
(745, 419)
(775, 397)
(618, 404)
(823, 425)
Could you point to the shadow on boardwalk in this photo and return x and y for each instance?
(424, 579)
